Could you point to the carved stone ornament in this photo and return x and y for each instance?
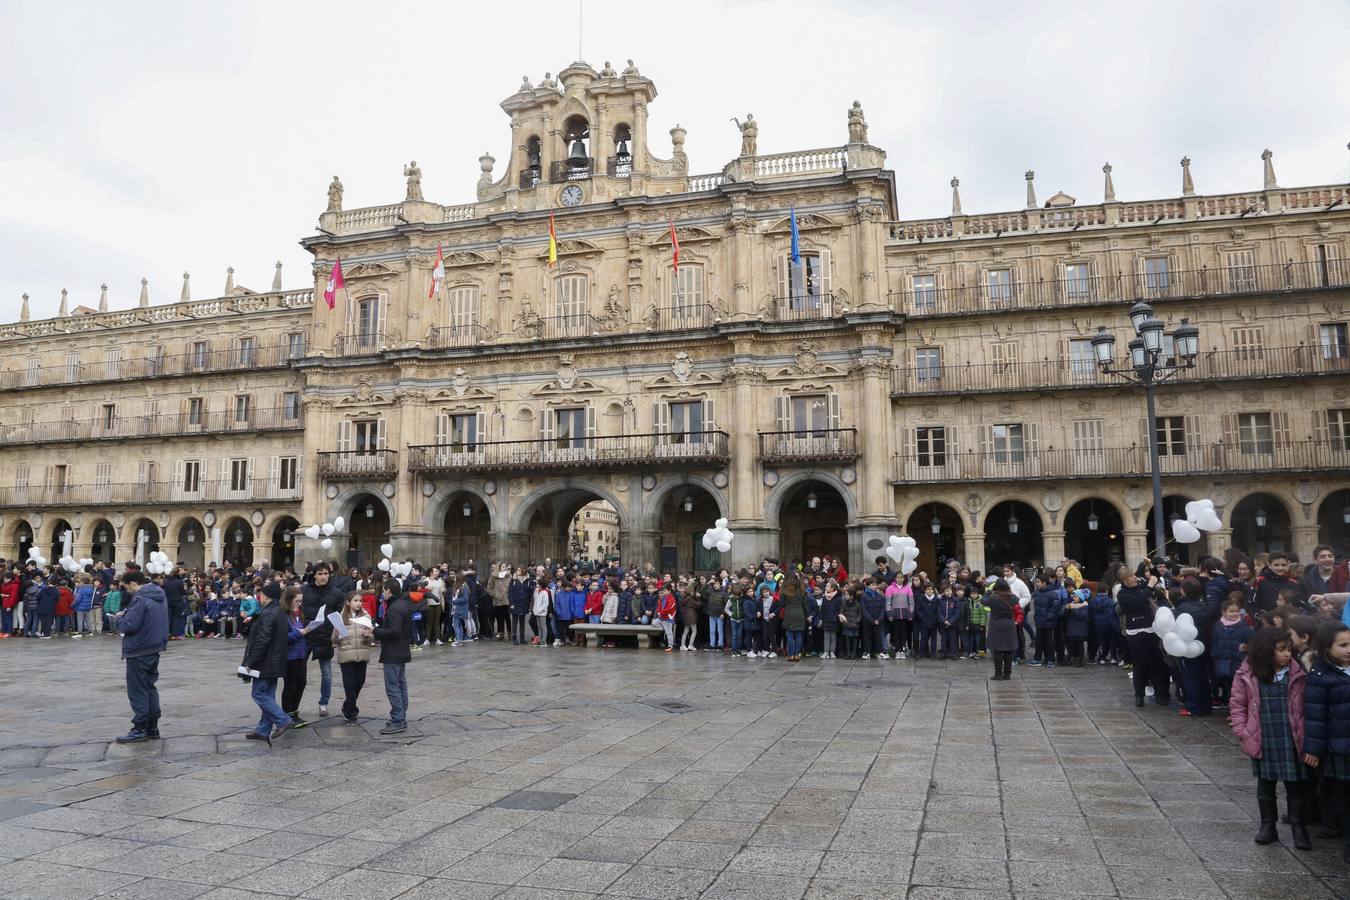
(489, 487)
(973, 503)
(682, 367)
(460, 383)
(770, 477)
(1304, 492)
(363, 390)
(515, 487)
(1053, 501)
(848, 475)
(649, 482)
(331, 492)
(257, 518)
(1221, 495)
(1134, 498)
(720, 480)
(806, 358)
(567, 373)
(428, 488)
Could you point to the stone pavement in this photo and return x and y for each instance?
(576, 773)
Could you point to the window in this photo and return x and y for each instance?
(931, 446)
(58, 478)
(196, 410)
(810, 414)
(1248, 343)
(569, 428)
(807, 281)
(102, 480)
(1157, 276)
(1256, 433)
(1338, 429)
(1241, 271)
(1170, 434)
(461, 308)
(1000, 285)
(1009, 444)
(925, 293)
(1327, 270)
(30, 376)
(108, 419)
(238, 475)
(290, 406)
(192, 476)
(154, 361)
(243, 408)
(1004, 355)
(367, 435)
(572, 298)
(1087, 438)
(367, 324)
(72, 366)
(686, 294)
(928, 364)
(201, 353)
(246, 355)
(295, 345)
(113, 366)
(288, 477)
(464, 432)
(22, 474)
(1082, 360)
(1333, 341)
(686, 422)
(1077, 281)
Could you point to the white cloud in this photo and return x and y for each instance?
(143, 139)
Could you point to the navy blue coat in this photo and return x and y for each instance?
(520, 596)
(949, 611)
(649, 604)
(873, 606)
(1076, 622)
(1049, 604)
(1216, 590)
(1326, 712)
(750, 611)
(1103, 610)
(925, 611)
(145, 623)
(829, 611)
(1224, 641)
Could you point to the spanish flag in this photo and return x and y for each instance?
(552, 241)
(675, 245)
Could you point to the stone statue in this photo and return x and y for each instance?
(548, 84)
(529, 324)
(615, 309)
(607, 71)
(525, 86)
(335, 195)
(857, 124)
(414, 176)
(749, 134)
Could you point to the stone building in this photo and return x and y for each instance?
(931, 376)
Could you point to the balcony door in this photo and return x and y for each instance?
(365, 322)
(568, 432)
(804, 286)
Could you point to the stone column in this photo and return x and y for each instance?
(1305, 538)
(744, 439)
(262, 552)
(873, 422)
(1221, 540)
(1052, 547)
(868, 248)
(1136, 546)
(124, 552)
(974, 549)
(168, 549)
(742, 267)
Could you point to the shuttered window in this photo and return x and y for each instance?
(1241, 271)
(1009, 445)
(1157, 276)
(1248, 343)
(461, 306)
(1338, 428)
(1171, 435)
(288, 473)
(1256, 433)
(999, 287)
(928, 364)
(1003, 354)
(686, 292)
(113, 368)
(1333, 340)
(925, 293)
(930, 445)
(1087, 437)
(572, 296)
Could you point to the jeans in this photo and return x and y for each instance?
(541, 625)
(353, 679)
(178, 624)
(325, 681)
(85, 621)
(737, 635)
(6, 621)
(594, 620)
(142, 673)
(396, 689)
(265, 695)
(517, 628)
(794, 642)
(716, 631)
(460, 622)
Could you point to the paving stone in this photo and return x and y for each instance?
(574, 875)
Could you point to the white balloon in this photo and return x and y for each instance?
(720, 523)
(86, 562)
(1174, 645)
(338, 523)
(728, 536)
(708, 540)
(723, 546)
(907, 568)
(1185, 532)
(1194, 649)
(312, 532)
(34, 553)
(1186, 627)
(895, 557)
(1206, 504)
(910, 553)
(1193, 509)
(387, 549)
(894, 540)
(383, 565)
(327, 529)
(326, 543)
(1164, 621)
(1207, 520)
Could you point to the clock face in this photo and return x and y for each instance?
(571, 195)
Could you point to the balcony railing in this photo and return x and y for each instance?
(98, 428)
(572, 325)
(1249, 458)
(362, 343)
(830, 445)
(237, 359)
(1212, 365)
(615, 451)
(530, 177)
(691, 315)
(358, 465)
(619, 166)
(464, 335)
(1192, 283)
(803, 307)
(565, 170)
(253, 490)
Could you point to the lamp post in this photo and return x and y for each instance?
(1148, 368)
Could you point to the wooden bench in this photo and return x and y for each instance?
(655, 633)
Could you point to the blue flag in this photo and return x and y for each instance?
(796, 254)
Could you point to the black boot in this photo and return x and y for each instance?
(1270, 814)
(1297, 826)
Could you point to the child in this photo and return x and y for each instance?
(751, 615)
(1048, 598)
(977, 617)
(949, 621)
(735, 611)
(770, 608)
(926, 621)
(666, 605)
(543, 600)
(850, 617)
(1228, 643)
(900, 611)
(353, 653)
(1327, 746)
(1076, 624)
(715, 605)
(1267, 713)
(1104, 640)
(831, 604)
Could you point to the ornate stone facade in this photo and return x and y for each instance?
(930, 375)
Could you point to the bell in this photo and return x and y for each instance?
(623, 149)
(578, 155)
(534, 161)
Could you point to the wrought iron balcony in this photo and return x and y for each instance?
(233, 360)
(677, 318)
(920, 302)
(361, 343)
(619, 166)
(464, 335)
(358, 465)
(563, 170)
(803, 307)
(1246, 458)
(99, 428)
(573, 325)
(606, 452)
(827, 445)
(530, 177)
(253, 490)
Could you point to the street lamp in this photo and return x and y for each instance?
(1147, 367)
(370, 510)
(688, 503)
(811, 500)
(1012, 523)
(1093, 522)
(1260, 518)
(467, 509)
(935, 524)
(1345, 515)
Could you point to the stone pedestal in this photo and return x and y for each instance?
(1305, 538)
(860, 556)
(1052, 547)
(974, 549)
(1136, 546)
(422, 548)
(262, 553)
(751, 545)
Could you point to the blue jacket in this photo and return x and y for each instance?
(1224, 642)
(459, 603)
(750, 611)
(296, 647)
(212, 610)
(228, 607)
(520, 596)
(145, 623)
(1326, 711)
(1103, 611)
(873, 606)
(1049, 605)
(1077, 620)
(649, 604)
(84, 598)
(949, 611)
(577, 604)
(828, 618)
(625, 616)
(925, 611)
(1216, 590)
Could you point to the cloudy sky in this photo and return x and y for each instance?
(143, 139)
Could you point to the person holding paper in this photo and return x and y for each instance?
(321, 598)
(297, 652)
(266, 654)
(353, 636)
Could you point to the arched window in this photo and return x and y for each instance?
(461, 316)
(577, 163)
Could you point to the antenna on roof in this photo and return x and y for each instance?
(581, 9)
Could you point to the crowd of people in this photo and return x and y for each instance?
(1276, 635)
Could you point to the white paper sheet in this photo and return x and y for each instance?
(336, 619)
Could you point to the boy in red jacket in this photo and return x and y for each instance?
(665, 613)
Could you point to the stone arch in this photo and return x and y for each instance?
(1252, 538)
(1017, 496)
(773, 506)
(652, 503)
(518, 519)
(344, 504)
(438, 504)
(174, 531)
(51, 528)
(274, 518)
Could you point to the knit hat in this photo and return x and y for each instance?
(272, 590)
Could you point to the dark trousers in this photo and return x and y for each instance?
(44, 623)
(1045, 644)
(951, 641)
(975, 639)
(353, 679)
(142, 673)
(871, 637)
(517, 628)
(1149, 666)
(179, 623)
(900, 634)
(1223, 688)
(926, 643)
(1195, 686)
(1104, 644)
(1003, 663)
(1075, 650)
(293, 689)
(769, 629)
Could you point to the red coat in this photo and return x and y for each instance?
(595, 603)
(66, 603)
(1244, 708)
(9, 593)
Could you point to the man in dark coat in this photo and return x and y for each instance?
(175, 593)
(48, 595)
(395, 636)
(266, 655)
(144, 625)
(323, 593)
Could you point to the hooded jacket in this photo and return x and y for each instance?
(145, 624)
(1244, 708)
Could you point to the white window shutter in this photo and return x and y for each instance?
(344, 436)
(833, 406)
(545, 423)
(223, 473)
(1228, 423)
(178, 475)
(381, 433)
(1191, 432)
(247, 485)
(1280, 421)
(442, 429)
(826, 274)
(952, 447)
(709, 414)
(661, 416)
(784, 420)
(591, 430)
(383, 314)
(986, 440)
(479, 429)
(783, 269)
(1319, 426)
(1033, 436)
(273, 475)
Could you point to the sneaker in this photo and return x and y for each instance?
(1184, 713)
(557, 643)
(297, 722)
(901, 655)
(772, 655)
(882, 656)
(669, 650)
(867, 656)
(1148, 691)
(254, 736)
(282, 729)
(346, 721)
(323, 711)
(1034, 662)
(534, 642)
(394, 728)
(76, 636)
(134, 736)
(439, 642)
(1049, 665)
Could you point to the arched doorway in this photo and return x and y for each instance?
(940, 534)
(145, 537)
(468, 529)
(102, 541)
(555, 527)
(369, 527)
(192, 544)
(1261, 525)
(238, 543)
(1333, 523)
(686, 513)
(813, 521)
(61, 533)
(1094, 536)
(23, 539)
(1174, 507)
(1012, 534)
(283, 543)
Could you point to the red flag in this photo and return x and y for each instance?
(552, 241)
(675, 244)
(437, 273)
(335, 284)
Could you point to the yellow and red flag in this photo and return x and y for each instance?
(675, 245)
(552, 241)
